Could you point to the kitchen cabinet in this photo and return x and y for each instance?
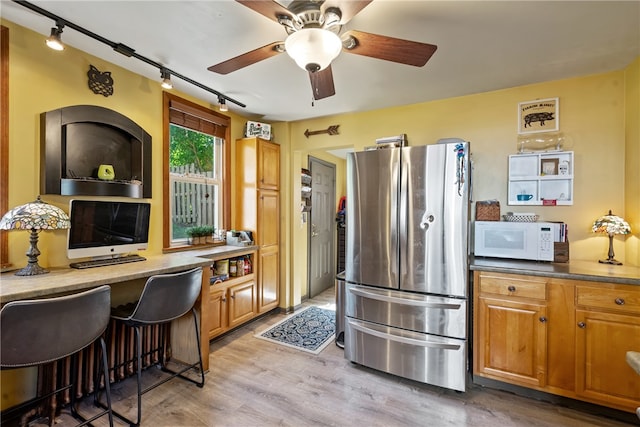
(511, 330)
(547, 177)
(233, 301)
(257, 208)
(562, 336)
(608, 321)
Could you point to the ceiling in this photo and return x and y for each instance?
(482, 46)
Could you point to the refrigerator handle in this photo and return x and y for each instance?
(400, 339)
(403, 301)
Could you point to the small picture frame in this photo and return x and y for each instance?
(549, 167)
(541, 115)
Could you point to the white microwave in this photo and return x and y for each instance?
(519, 240)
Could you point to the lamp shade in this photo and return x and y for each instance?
(313, 49)
(611, 224)
(36, 215)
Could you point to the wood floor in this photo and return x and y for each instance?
(253, 382)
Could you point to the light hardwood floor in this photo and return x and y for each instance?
(256, 383)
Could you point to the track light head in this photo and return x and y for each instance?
(54, 41)
(223, 104)
(166, 79)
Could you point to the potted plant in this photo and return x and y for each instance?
(200, 234)
(194, 234)
(207, 232)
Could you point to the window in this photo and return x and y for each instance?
(196, 169)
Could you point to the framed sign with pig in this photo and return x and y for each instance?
(541, 115)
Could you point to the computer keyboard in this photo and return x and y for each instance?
(107, 261)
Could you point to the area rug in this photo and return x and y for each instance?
(310, 330)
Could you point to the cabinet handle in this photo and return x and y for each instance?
(582, 325)
(619, 301)
(543, 319)
(233, 297)
(224, 299)
(511, 288)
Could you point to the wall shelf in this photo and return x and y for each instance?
(547, 177)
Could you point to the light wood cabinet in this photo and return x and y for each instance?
(268, 278)
(608, 321)
(231, 303)
(234, 301)
(511, 330)
(257, 208)
(241, 303)
(218, 322)
(561, 336)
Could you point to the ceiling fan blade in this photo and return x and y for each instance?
(390, 49)
(269, 8)
(246, 59)
(349, 8)
(322, 83)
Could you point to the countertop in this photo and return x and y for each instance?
(62, 280)
(592, 271)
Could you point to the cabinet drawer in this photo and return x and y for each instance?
(619, 298)
(513, 286)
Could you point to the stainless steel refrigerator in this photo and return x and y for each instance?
(407, 262)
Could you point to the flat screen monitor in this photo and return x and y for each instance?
(102, 229)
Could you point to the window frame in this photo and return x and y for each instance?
(193, 110)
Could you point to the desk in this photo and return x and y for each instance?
(64, 280)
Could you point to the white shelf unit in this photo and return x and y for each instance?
(526, 176)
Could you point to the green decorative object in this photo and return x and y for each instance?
(106, 172)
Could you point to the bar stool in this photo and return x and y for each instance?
(165, 297)
(41, 331)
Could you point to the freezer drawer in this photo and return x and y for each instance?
(413, 355)
(417, 312)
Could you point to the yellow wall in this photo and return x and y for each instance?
(632, 160)
(592, 119)
(40, 80)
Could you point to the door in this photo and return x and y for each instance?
(433, 219)
(602, 341)
(372, 200)
(512, 341)
(321, 229)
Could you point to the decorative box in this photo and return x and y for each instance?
(261, 130)
(488, 210)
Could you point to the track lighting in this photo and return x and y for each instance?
(165, 75)
(54, 41)
(223, 104)
(120, 48)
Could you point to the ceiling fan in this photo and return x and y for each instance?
(314, 40)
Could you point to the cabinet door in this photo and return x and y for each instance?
(268, 218)
(217, 311)
(241, 303)
(268, 165)
(268, 283)
(511, 341)
(603, 375)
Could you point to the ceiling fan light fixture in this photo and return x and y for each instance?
(313, 49)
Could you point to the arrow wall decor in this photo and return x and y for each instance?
(331, 130)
